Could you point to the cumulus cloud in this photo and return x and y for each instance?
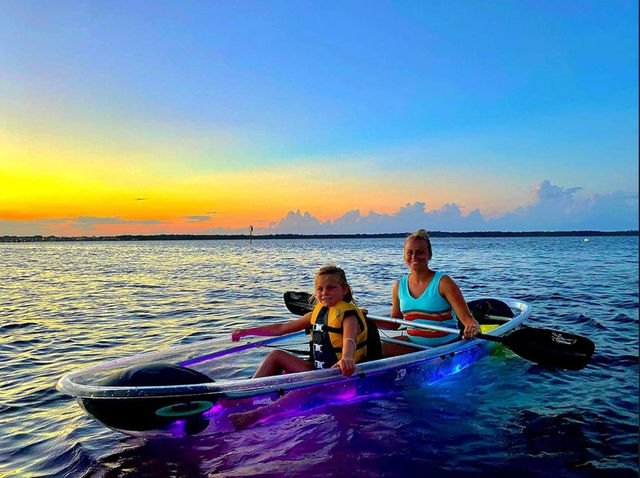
(297, 223)
(448, 217)
(554, 209)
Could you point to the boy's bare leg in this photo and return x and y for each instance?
(278, 361)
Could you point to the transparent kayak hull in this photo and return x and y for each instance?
(234, 400)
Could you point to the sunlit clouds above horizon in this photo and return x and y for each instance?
(205, 118)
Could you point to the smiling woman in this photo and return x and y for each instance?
(429, 297)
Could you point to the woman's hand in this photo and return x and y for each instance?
(347, 366)
(451, 292)
(471, 330)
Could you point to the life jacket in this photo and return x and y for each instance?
(326, 334)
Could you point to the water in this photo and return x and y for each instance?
(68, 305)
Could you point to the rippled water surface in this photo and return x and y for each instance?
(68, 305)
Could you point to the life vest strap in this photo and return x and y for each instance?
(322, 327)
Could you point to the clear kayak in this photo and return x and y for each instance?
(205, 387)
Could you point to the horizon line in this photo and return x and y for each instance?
(174, 237)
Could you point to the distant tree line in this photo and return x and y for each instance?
(191, 237)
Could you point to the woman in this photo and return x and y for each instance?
(427, 296)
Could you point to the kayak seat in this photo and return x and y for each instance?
(482, 308)
(374, 346)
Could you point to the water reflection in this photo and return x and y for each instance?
(69, 305)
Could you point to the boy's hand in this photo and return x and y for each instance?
(237, 335)
(347, 366)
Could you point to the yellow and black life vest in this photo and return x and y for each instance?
(326, 334)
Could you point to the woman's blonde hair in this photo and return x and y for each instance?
(337, 273)
(420, 234)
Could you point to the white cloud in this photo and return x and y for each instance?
(554, 209)
(297, 223)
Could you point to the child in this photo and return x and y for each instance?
(338, 330)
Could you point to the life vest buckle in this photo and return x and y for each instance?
(317, 347)
(318, 364)
(318, 327)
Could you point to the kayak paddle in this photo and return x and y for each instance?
(542, 346)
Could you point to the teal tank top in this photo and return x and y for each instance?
(430, 308)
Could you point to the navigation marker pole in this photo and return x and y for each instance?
(250, 233)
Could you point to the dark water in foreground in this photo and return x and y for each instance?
(68, 305)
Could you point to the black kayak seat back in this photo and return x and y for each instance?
(482, 308)
(374, 346)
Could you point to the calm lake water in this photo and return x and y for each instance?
(68, 305)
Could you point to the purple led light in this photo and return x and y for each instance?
(217, 408)
(214, 355)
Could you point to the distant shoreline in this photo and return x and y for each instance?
(191, 237)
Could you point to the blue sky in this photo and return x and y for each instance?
(491, 109)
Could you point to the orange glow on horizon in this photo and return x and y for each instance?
(57, 183)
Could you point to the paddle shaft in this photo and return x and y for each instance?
(438, 328)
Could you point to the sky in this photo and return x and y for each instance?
(206, 117)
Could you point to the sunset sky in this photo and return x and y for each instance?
(147, 117)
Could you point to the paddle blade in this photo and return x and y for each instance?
(551, 348)
(298, 303)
